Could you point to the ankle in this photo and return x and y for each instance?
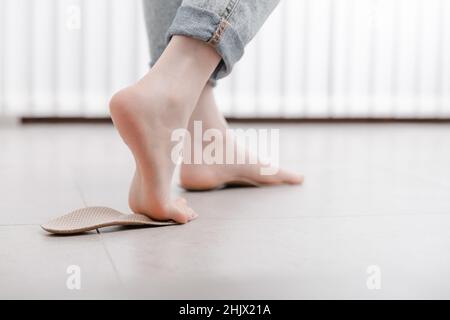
(189, 54)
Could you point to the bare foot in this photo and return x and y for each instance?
(145, 124)
(208, 177)
(145, 114)
(213, 176)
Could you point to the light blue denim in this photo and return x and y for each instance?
(227, 25)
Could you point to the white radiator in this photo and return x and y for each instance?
(313, 58)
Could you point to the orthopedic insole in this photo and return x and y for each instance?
(92, 218)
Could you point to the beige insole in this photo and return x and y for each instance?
(91, 218)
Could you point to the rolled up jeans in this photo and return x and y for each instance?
(226, 25)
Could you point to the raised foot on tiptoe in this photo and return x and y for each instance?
(145, 120)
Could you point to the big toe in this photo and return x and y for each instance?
(180, 212)
(290, 177)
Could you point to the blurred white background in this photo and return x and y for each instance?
(313, 58)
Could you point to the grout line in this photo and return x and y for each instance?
(116, 272)
(111, 261)
(78, 188)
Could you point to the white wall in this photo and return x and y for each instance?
(315, 58)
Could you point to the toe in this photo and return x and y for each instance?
(290, 177)
(181, 212)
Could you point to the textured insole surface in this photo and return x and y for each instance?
(92, 218)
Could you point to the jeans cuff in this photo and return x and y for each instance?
(209, 27)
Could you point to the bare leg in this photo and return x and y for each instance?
(146, 113)
(205, 177)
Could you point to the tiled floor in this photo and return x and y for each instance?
(374, 195)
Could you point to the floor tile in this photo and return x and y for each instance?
(36, 181)
(286, 258)
(373, 195)
(34, 265)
